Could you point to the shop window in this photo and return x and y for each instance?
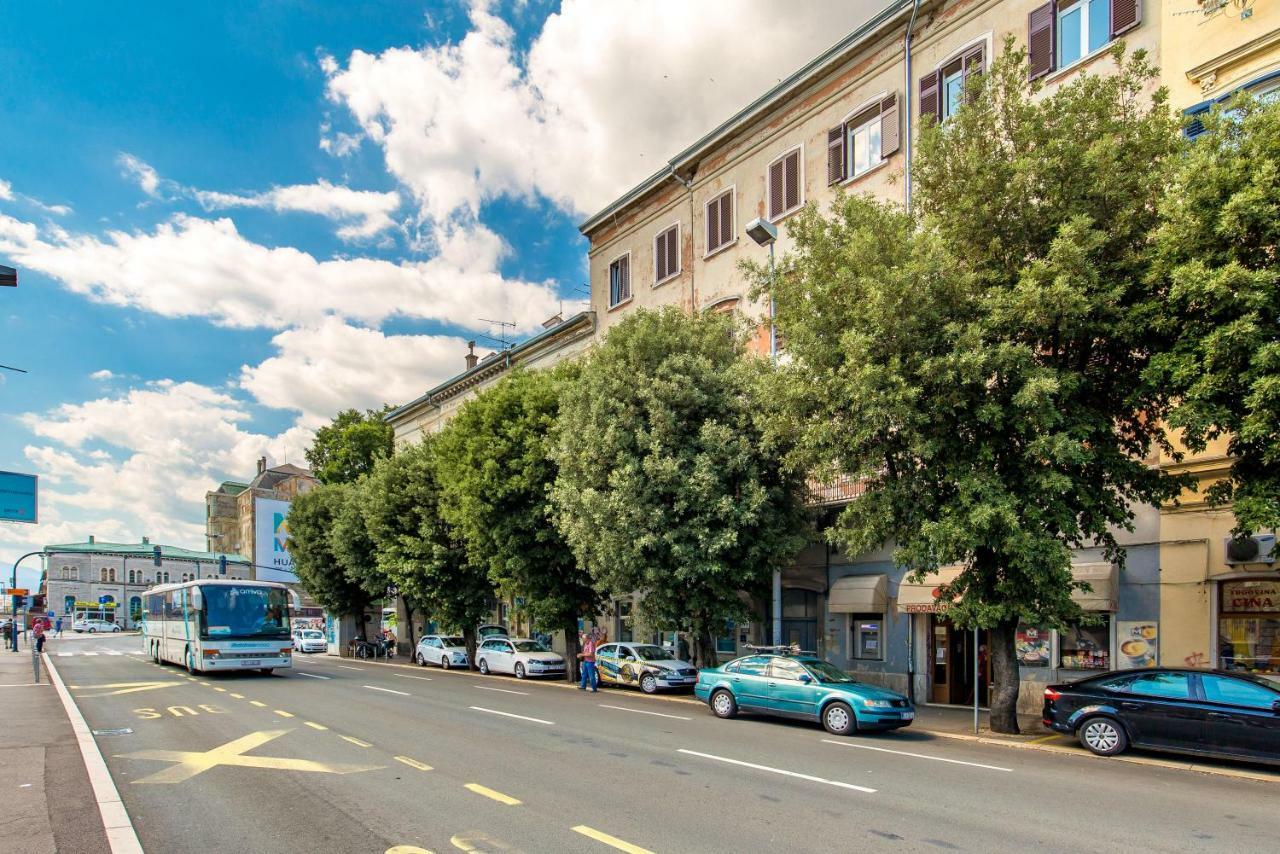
(1086, 646)
(725, 643)
(866, 636)
(1249, 626)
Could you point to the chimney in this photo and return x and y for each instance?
(91, 539)
(262, 464)
(472, 358)
(146, 541)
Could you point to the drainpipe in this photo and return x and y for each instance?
(906, 100)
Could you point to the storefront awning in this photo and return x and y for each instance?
(858, 594)
(1103, 578)
(923, 598)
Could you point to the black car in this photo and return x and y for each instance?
(1204, 712)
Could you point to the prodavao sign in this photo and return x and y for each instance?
(18, 497)
(271, 541)
(1250, 597)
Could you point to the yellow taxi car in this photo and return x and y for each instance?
(643, 665)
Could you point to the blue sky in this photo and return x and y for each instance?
(233, 219)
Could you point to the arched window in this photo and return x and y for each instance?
(70, 573)
(68, 604)
(132, 575)
(103, 574)
(112, 572)
(135, 608)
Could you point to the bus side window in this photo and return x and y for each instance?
(170, 609)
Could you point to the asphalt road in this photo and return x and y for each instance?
(349, 757)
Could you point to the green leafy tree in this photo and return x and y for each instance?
(980, 366)
(495, 469)
(348, 448)
(320, 571)
(417, 550)
(352, 544)
(666, 487)
(1217, 243)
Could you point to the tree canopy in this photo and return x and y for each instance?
(347, 449)
(666, 487)
(320, 571)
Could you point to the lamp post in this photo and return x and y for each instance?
(13, 583)
(765, 233)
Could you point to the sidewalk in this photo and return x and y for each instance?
(48, 802)
(958, 720)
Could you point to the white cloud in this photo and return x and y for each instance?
(103, 374)
(605, 94)
(6, 191)
(364, 213)
(322, 370)
(140, 173)
(197, 267)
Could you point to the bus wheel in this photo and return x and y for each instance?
(191, 662)
(266, 671)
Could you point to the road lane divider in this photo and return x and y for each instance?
(313, 675)
(357, 742)
(388, 690)
(492, 794)
(645, 712)
(282, 714)
(315, 725)
(238, 696)
(258, 703)
(915, 755)
(503, 690)
(409, 676)
(349, 667)
(413, 763)
(511, 715)
(796, 774)
(220, 690)
(611, 841)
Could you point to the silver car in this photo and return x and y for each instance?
(444, 650)
(520, 657)
(310, 640)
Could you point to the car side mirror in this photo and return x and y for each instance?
(806, 678)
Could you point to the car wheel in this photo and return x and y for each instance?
(422, 661)
(723, 704)
(444, 662)
(93, 631)
(838, 719)
(649, 683)
(116, 629)
(1103, 736)
(519, 670)
(484, 667)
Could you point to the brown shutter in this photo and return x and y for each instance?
(1125, 15)
(660, 257)
(673, 251)
(793, 179)
(930, 103)
(776, 199)
(1040, 41)
(624, 271)
(713, 225)
(835, 155)
(889, 126)
(973, 62)
(726, 218)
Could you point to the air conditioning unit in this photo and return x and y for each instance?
(1260, 548)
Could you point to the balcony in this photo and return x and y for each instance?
(841, 490)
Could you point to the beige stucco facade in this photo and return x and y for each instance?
(1213, 47)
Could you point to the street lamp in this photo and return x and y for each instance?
(765, 233)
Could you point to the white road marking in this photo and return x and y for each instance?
(643, 712)
(509, 715)
(348, 667)
(313, 676)
(88, 653)
(795, 774)
(915, 755)
(109, 652)
(407, 676)
(388, 691)
(65, 654)
(503, 690)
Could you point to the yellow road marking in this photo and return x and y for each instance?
(315, 725)
(406, 849)
(356, 741)
(205, 684)
(1044, 738)
(490, 793)
(472, 838)
(611, 841)
(223, 690)
(413, 763)
(238, 696)
(123, 687)
(282, 714)
(189, 763)
(259, 705)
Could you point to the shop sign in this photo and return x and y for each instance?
(1250, 597)
(96, 606)
(1033, 646)
(1139, 642)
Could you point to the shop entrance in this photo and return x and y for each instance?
(800, 618)
(952, 675)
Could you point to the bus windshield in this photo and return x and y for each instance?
(234, 611)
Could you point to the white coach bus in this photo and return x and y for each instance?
(219, 625)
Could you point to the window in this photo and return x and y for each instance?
(626, 622)
(1086, 647)
(720, 221)
(620, 280)
(867, 636)
(785, 668)
(103, 576)
(111, 574)
(1066, 31)
(863, 141)
(784, 180)
(1237, 692)
(666, 255)
(70, 573)
(725, 643)
(756, 665)
(943, 91)
(607, 651)
(132, 576)
(1166, 686)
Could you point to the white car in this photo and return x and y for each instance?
(92, 626)
(310, 640)
(444, 650)
(518, 656)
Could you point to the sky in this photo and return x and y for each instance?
(233, 220)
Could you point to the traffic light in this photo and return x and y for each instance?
(155, 555)
(222, 564)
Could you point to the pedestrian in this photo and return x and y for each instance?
(57, 628)
(588, 659)
(37, 632)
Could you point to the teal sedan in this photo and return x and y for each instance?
(801, 687)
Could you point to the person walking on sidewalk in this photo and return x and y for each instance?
(588, 657)
(57, 628)
(37, 632)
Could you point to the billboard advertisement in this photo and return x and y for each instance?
(18, 497)
(271, 541)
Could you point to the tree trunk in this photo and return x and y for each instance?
(704, 649)
(1004, 677)
(571, 651)
(408, 618)
(469, 639)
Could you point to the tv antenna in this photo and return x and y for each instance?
(502, 336)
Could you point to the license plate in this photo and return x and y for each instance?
(253, 663)
(908, 716)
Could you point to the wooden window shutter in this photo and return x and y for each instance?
(792, 162)
(890, 127)
(713, 225)
(777, 203)
(673, 251)
(726, 218)
(660, 257)
(835, 155)
(930, 103)
(624, 271)
(973, 63)
(1040, 41)
(1125, 15)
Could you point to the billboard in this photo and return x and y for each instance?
(271, 541)
(18, 497)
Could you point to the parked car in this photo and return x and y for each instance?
(520, 657)
(801, 687)
(310, 640)
(444, 650)
(1202, 712)
(644, 666)
(92, 626)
